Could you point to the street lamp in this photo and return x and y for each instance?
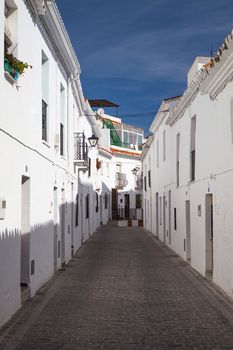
(93, 140)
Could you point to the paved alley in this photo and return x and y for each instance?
(123, 290)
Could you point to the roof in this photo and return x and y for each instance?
(102, 103)
(219, 66)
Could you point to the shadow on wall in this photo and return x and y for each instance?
(29, 258)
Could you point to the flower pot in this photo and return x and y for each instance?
(14, 73)
(7, 66)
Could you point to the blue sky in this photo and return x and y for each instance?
(137, 52)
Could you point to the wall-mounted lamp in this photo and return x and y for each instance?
(93, 140)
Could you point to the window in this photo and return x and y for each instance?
(192, 149)
(175, 223)
(76, 211)
(138, 201)
(149, 179)
(44, 121)
(164, 145)
(97, 202)
(178, 159)
(145, 183)
(87, 206)
(106, 201)
(45, 95)
(140, 142)
(157, 153)
(62, 120)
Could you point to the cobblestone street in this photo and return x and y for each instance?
(123, 290)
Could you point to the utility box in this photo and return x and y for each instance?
(2, 209)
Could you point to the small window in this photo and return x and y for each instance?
(44, 121)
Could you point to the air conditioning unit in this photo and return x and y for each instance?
(56, 140)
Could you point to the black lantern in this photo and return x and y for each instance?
(93, 140)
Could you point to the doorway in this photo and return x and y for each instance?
(127, 206)
(209, 234)
(188, 231)
(114, 204)
(55, 227)
(157, 213)
(169, 217)
(164, 219)
(63, 226)
(25, 232)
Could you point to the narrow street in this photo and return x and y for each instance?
(123, 290)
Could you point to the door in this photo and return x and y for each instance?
(188, 232)
(127, 206)
(114, 204)
(157, 213)
(209, 233)
(55, 227)
(62, 217)
(101, 210)
(164, 219)
(72, 219)
(169, 217)
(25, 232)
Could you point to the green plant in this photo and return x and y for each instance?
(16, 64)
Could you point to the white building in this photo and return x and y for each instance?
(46, 193)
(188, 162)
(120, 151)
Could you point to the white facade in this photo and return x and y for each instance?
(193, 180)
(42, 189)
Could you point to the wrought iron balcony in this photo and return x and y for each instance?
(80, 150)
(121, 180)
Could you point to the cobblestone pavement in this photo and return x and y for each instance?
(123, 290)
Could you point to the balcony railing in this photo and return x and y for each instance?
(121, 180)
(80, 150)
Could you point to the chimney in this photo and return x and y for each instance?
(196, 66)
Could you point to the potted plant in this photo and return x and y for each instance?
(14, 66)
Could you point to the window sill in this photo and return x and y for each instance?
(10, 79)
(45, 143)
